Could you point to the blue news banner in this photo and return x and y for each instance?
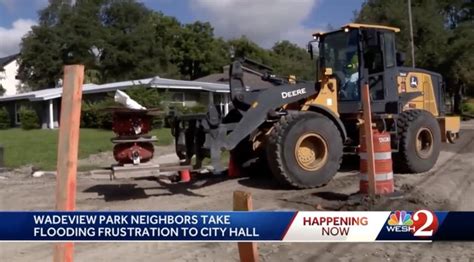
(421, 225)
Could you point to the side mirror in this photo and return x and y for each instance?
(400, 58)
(310, 50)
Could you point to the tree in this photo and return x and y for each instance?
(4, 118)
(40, 61)
(459, 63)
(290, 59)
(457, 11)
(119, 40)
(459, 66)
(428, 27)
(65, 34)
(167, 32)
(114, 39)
(284, 57)
(244, 47)
(82, 33)
(199, 53)
(443, 34)
(130, 49)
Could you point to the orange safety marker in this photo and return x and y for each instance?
(383, 164)
(369, 141)
(248, 251)
(185, 175)
(68, 146)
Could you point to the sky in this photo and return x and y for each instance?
(263, 21)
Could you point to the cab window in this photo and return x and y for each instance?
(389, 49)
(340, 53)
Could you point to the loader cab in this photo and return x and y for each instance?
(357, 54)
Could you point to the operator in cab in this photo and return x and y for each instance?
(351, 71)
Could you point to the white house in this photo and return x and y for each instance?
(47, 102)
(8, 73)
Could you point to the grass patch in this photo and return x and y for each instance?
(38, 147)
(164, 136)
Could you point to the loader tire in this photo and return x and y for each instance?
(420, 142)
(304, 150)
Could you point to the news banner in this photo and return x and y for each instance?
(255, 226)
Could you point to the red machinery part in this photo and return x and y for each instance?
(133, 153)
(131, 124)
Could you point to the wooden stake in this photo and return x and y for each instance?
(248, 251)
(68, 147)
(369, 138)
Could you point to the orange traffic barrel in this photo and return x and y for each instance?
(383, 164)
(185, 175)
(233, 169)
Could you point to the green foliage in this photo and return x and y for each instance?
(29, 119)
(89, 115)
(122, 39)
(4, 119)
(459, 63)
(190, 109)
(130, 50)
(92, 76)
(244, 47)
(183, 110)
(198, 52)
(147, 97)
(468, 107)
(2, 90)
(150, 98)
(115, 39)
(292, 60)
(285, 57)
(93, 114)
(443, 34)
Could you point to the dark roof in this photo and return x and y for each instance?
(250, 79)
(6, 60)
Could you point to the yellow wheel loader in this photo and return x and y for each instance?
(300, 130)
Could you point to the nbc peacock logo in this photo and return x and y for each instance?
(421, 223)
(400, 222)
(400, 218)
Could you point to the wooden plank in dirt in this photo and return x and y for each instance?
(68, 147)
(248, 251)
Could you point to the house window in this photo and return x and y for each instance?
(17, 113)
(177, 98)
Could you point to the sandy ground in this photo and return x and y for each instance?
(449, 186)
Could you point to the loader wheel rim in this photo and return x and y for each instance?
(424, 143)
(311, 152)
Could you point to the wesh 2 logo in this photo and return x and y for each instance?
(422, 223)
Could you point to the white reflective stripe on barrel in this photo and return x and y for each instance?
(378, 156)
(378, 176)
